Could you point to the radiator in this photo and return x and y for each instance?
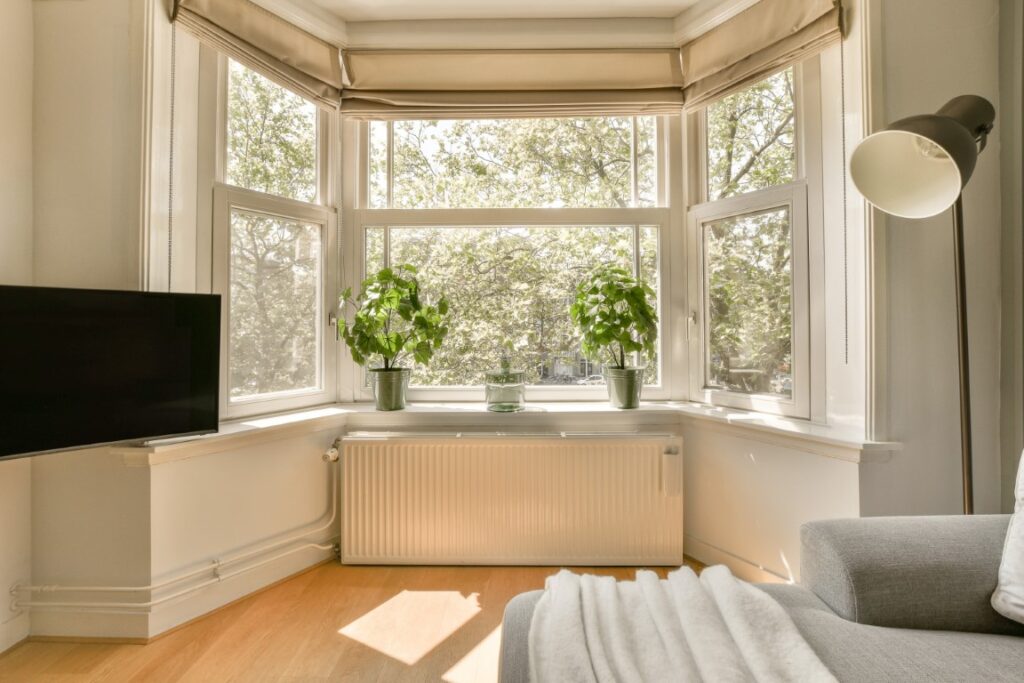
(500, 499)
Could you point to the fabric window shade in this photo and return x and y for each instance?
(396, 84)
(754, 44)
(268, 44)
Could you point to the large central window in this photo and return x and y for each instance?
(505, 217)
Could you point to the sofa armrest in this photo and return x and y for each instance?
(934, 573)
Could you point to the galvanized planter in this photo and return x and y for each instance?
(390, 387)
(624, 386)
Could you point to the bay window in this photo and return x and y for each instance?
(715, 209)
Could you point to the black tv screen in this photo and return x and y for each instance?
(85, 367)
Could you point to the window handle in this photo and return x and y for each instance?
(332, 321)
(692, 318)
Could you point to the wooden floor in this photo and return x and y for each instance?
(333, 623)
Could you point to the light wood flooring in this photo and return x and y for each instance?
(332, 623)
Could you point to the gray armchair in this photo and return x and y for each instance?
(880, 599)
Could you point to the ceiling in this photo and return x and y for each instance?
(397, 10)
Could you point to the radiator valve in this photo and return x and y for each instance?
(333, 453)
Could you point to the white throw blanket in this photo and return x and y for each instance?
(713, 628)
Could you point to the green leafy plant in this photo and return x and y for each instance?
(392, 320)
(615, 315)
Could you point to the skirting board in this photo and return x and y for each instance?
(145, 626)
(708, 555)
(13, 631)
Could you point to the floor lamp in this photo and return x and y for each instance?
(917, 167)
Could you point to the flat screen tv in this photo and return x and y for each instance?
(83, 367)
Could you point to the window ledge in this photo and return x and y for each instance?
(835, 441)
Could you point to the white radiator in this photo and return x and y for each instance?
(502, 499)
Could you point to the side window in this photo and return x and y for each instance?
(272, 248)
(750, 239)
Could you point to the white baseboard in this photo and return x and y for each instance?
(172, 614)
(143, 625)
(14, 630)
(708, 554)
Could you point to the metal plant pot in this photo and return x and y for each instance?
(389, 387)
(624, 386)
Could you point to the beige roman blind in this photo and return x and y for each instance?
(267, 44)
(395, 84)
(756, 42)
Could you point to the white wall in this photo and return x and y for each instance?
(746, 497)
(90, 526)
(933, 50)
(15, 268)
(1011, 155)
(16, 142)
(88, 137)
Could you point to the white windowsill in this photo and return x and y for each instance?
(832, 441)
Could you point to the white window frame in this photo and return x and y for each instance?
(227, 198)
(360, 218)
(792, 197)
(802, 198)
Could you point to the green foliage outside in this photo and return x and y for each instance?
(274, 333)
(749, 283)
(512, 284)
(615, 316)
(271, 137)
(392, 322)
(751, 146)
(515, 163)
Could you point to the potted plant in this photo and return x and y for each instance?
(392, 322)
(616, 318)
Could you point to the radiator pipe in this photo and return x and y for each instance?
(90, 606)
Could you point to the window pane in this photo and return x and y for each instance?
(271, 137)
(517, 163)
(751, 135)
(649, 273)
(274, 335)
(747, 261)
(646, 161)
(510, 284)
(374, 251)
(378, 165)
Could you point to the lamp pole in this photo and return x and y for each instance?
(966, 453)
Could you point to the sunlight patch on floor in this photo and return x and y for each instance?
(413, 623)
(480, 665)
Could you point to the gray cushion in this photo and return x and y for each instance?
(514, 664)
(870, 654)
(908, 572)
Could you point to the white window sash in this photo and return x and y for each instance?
(794, 197)
(227, 199)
